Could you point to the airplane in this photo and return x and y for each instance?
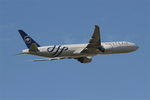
(80, 52)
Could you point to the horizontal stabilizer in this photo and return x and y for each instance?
(18, 54)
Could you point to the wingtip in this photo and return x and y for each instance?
(96, 25)
(20, 30)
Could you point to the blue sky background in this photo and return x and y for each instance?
(108, 77)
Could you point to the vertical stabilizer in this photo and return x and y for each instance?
(27, 39)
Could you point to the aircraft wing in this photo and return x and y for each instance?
(94, 43)
(95, 39)
(49, 59)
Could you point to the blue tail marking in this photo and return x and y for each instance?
(27, 39)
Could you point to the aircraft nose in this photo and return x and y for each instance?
(135, 47)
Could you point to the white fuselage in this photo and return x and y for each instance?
(73, 50)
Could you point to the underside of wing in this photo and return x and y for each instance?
(48, 59)
(80, 59)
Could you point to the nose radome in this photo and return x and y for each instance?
(136, 47)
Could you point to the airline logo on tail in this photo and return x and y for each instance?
(27, 39)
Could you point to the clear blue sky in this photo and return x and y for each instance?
(108, 77)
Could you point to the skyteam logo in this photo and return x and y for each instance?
(27, 39)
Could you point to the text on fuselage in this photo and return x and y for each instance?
(57, 50)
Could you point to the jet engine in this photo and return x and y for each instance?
(85, 59)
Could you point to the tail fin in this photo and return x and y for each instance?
(27, 39)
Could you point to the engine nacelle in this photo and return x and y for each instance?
(85, 59)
